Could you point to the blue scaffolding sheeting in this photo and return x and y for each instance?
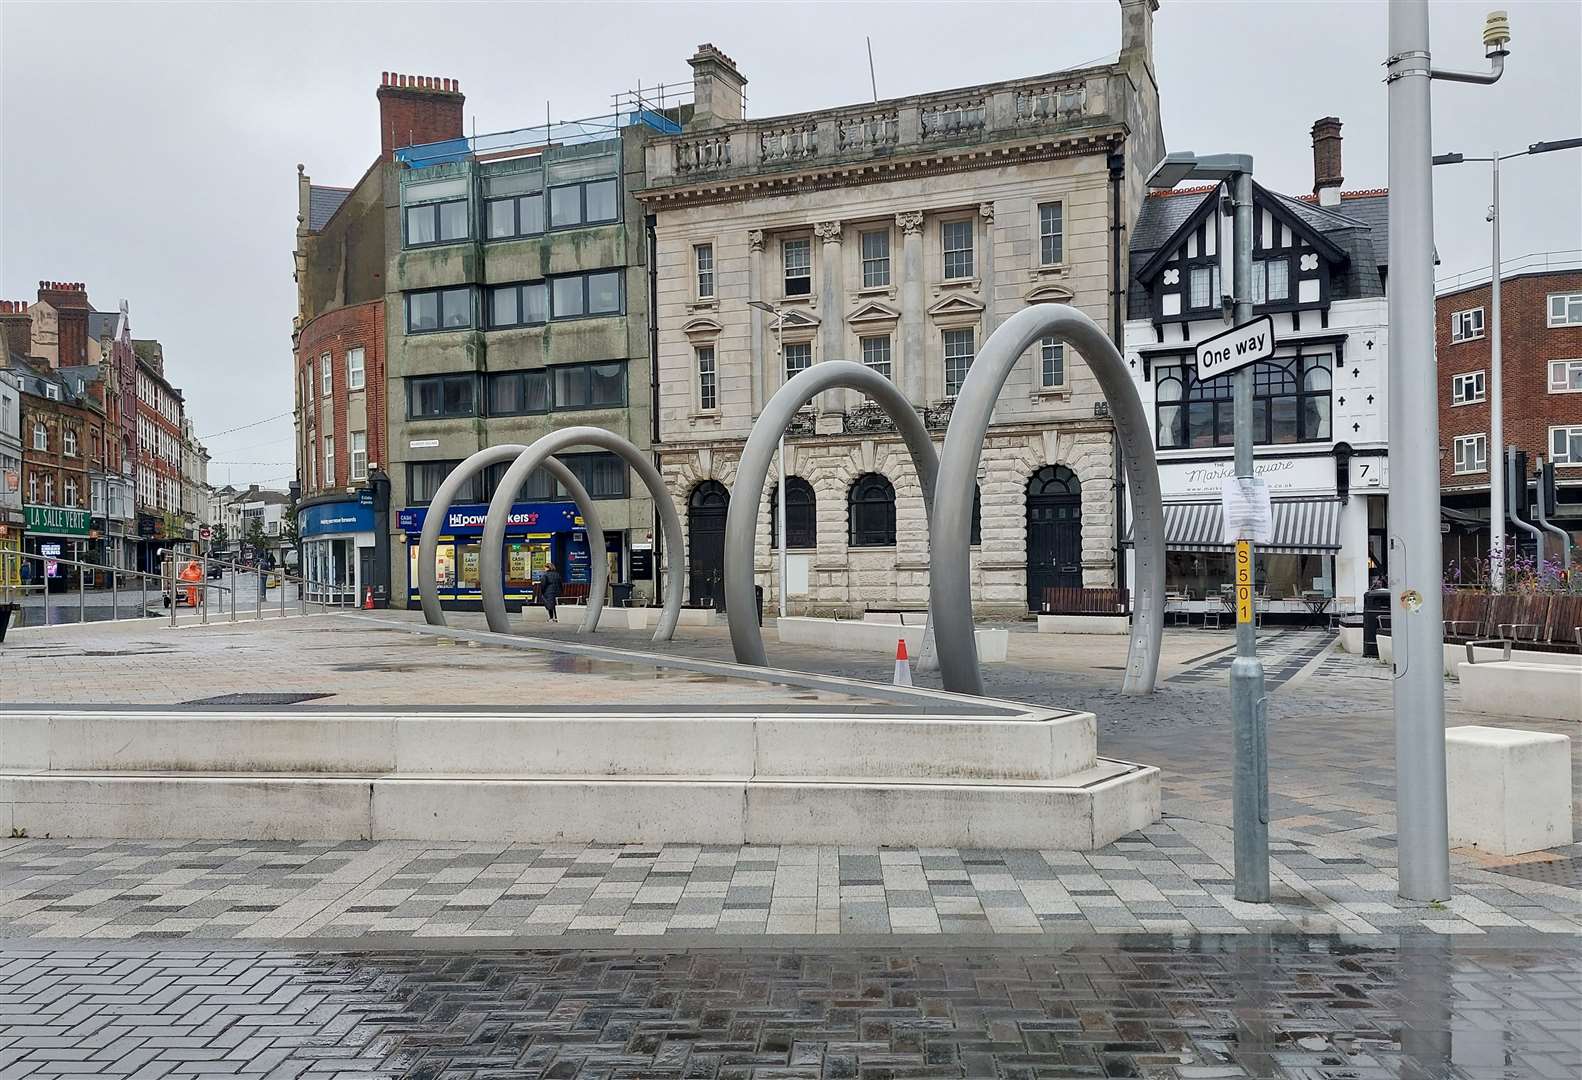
(527, 139)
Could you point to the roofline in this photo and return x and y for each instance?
(1158, 258)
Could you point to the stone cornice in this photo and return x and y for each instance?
(876, 170)
(1033, 429)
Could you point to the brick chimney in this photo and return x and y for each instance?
(716, 87)
(416, 109)
(70, 301)
(16, 328)
(1327, 177)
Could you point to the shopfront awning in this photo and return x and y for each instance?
(1300, 527)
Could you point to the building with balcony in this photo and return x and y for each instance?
(899, 233)
(1320, 436)
(1541, 364)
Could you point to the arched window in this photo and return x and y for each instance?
(801, 514)
(1054, 480)
(870, 507)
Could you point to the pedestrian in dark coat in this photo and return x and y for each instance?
(549, 590)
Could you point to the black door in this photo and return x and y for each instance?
(706, 537)
(1054, 532)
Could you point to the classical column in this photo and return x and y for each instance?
(913, 384)
(986, 271)
(832, 301)
(755, 291)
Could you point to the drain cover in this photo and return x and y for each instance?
(1554, 872)
(255, 699)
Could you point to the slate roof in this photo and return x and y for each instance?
(322, 204)
(102, 323)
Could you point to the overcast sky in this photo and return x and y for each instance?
(150, 150)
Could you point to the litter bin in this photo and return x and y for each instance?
(621, 594)
(1375, 603)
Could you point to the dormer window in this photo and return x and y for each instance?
(1271, 281)
(52, 392)
(1204, 284)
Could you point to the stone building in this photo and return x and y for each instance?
(899, 233)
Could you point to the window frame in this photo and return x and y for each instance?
(945, 346)
(1569, 300)
(357, 470)
(888, 363)
(519, 288)
(805, 243)
(1214, 291)
(40, 436)
(705, 363)
(1459, 325)
(1573, 365)
(68, 441)
(865, 492)
(1044, 357)
(439, 294)
(586, 276)
(1470, 441)
(1573, 432)
(525, 376)
(517, 231)
(406, 222)
(1059, 235)
(1458, 382)
(801, 515)
(327, 374)
(559, 371)
(413, 382)
(946, 225)
(471, 491)
(785, 358)
(703, 275)
(356, 374)
(329, 461)
(1216, 394)
(581, 186)
(864, 260)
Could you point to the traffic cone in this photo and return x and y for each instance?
(903, 667)
(368, 598)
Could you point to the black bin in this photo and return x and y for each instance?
(621, 594)
(1375, 603)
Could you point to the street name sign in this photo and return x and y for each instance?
(1236, 348)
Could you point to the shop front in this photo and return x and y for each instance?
(536, 534)
(54, 534)
(338, 549)
(13, 526)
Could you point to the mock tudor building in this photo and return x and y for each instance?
(1319, 405)
(899, 233)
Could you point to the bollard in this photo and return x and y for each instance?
(82, 591)
(170, 577)
(142, 595)
(203, 590)
(234, 583)
(258, 601)
(115, 594)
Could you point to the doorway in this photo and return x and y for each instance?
(706, 510)
(1054, 532)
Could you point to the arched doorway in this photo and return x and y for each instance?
(706, 509)
(1054, 532)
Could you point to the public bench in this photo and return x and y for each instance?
(1071, 610)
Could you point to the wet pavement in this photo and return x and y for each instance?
(1311, 1007)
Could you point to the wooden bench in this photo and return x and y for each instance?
(1066, 600)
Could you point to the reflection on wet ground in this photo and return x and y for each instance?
(1238, 1006)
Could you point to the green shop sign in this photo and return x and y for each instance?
(56, 520)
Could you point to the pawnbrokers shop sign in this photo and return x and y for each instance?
(56, 520)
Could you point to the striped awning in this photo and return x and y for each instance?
(1300, 527)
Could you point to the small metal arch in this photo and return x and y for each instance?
(535, 455)
(950, 586)
(741, 520)
(439, 507)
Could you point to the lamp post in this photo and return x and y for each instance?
(1496, 367)
(1421, 812)
(780, 458)
(1251, 772)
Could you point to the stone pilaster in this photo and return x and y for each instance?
(832, 305)
(911, 360)
(986, 270)
(755, 291)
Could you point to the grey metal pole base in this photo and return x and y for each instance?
(752, 472)
(949, 556)
(439, 506)
(538, 454)
(1249, 714)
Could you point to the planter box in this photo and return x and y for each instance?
(1084, 624)
(1509, 688)
(1351, 640)
(1456, 655)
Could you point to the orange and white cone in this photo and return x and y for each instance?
(903, 667)
(368, 598)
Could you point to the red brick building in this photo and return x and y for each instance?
(1541, 357)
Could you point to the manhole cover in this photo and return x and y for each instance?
(255, 699)
(1554, 872)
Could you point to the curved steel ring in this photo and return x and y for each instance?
(439, 507)
(741, 519)
(537, 454)
(950, 588)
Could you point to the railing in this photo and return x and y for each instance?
(1522, 264)
(166, 587)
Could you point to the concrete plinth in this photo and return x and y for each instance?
(1509, 688)
(862, 636)
(1084, 624)
(1510, 791)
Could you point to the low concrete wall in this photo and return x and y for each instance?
(879, 637)
(629, 618)
(1084, 624)
(896, 618)
(1509, 688)
(1456, 655)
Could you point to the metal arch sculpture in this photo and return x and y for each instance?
(741, 519)
(536, 455)
(950, 587)
(439, 506)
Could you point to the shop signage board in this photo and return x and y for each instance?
(642, 562)
(56, 520)
(467, 519)
(1236, 348)
(337, 517)
(1245, 510)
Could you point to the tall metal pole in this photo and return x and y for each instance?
(1415, 608)
(1496, 447)
(1247, 706)
(780, 490)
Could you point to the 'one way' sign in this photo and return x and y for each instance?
(1236, 348)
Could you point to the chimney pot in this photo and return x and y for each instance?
(1327, 175)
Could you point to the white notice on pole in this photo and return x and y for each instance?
(1245, 511)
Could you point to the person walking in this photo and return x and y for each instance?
(549, 590)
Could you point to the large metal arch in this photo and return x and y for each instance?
(543, 449)
(439, 507)
(752, 472)
(950, 586)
